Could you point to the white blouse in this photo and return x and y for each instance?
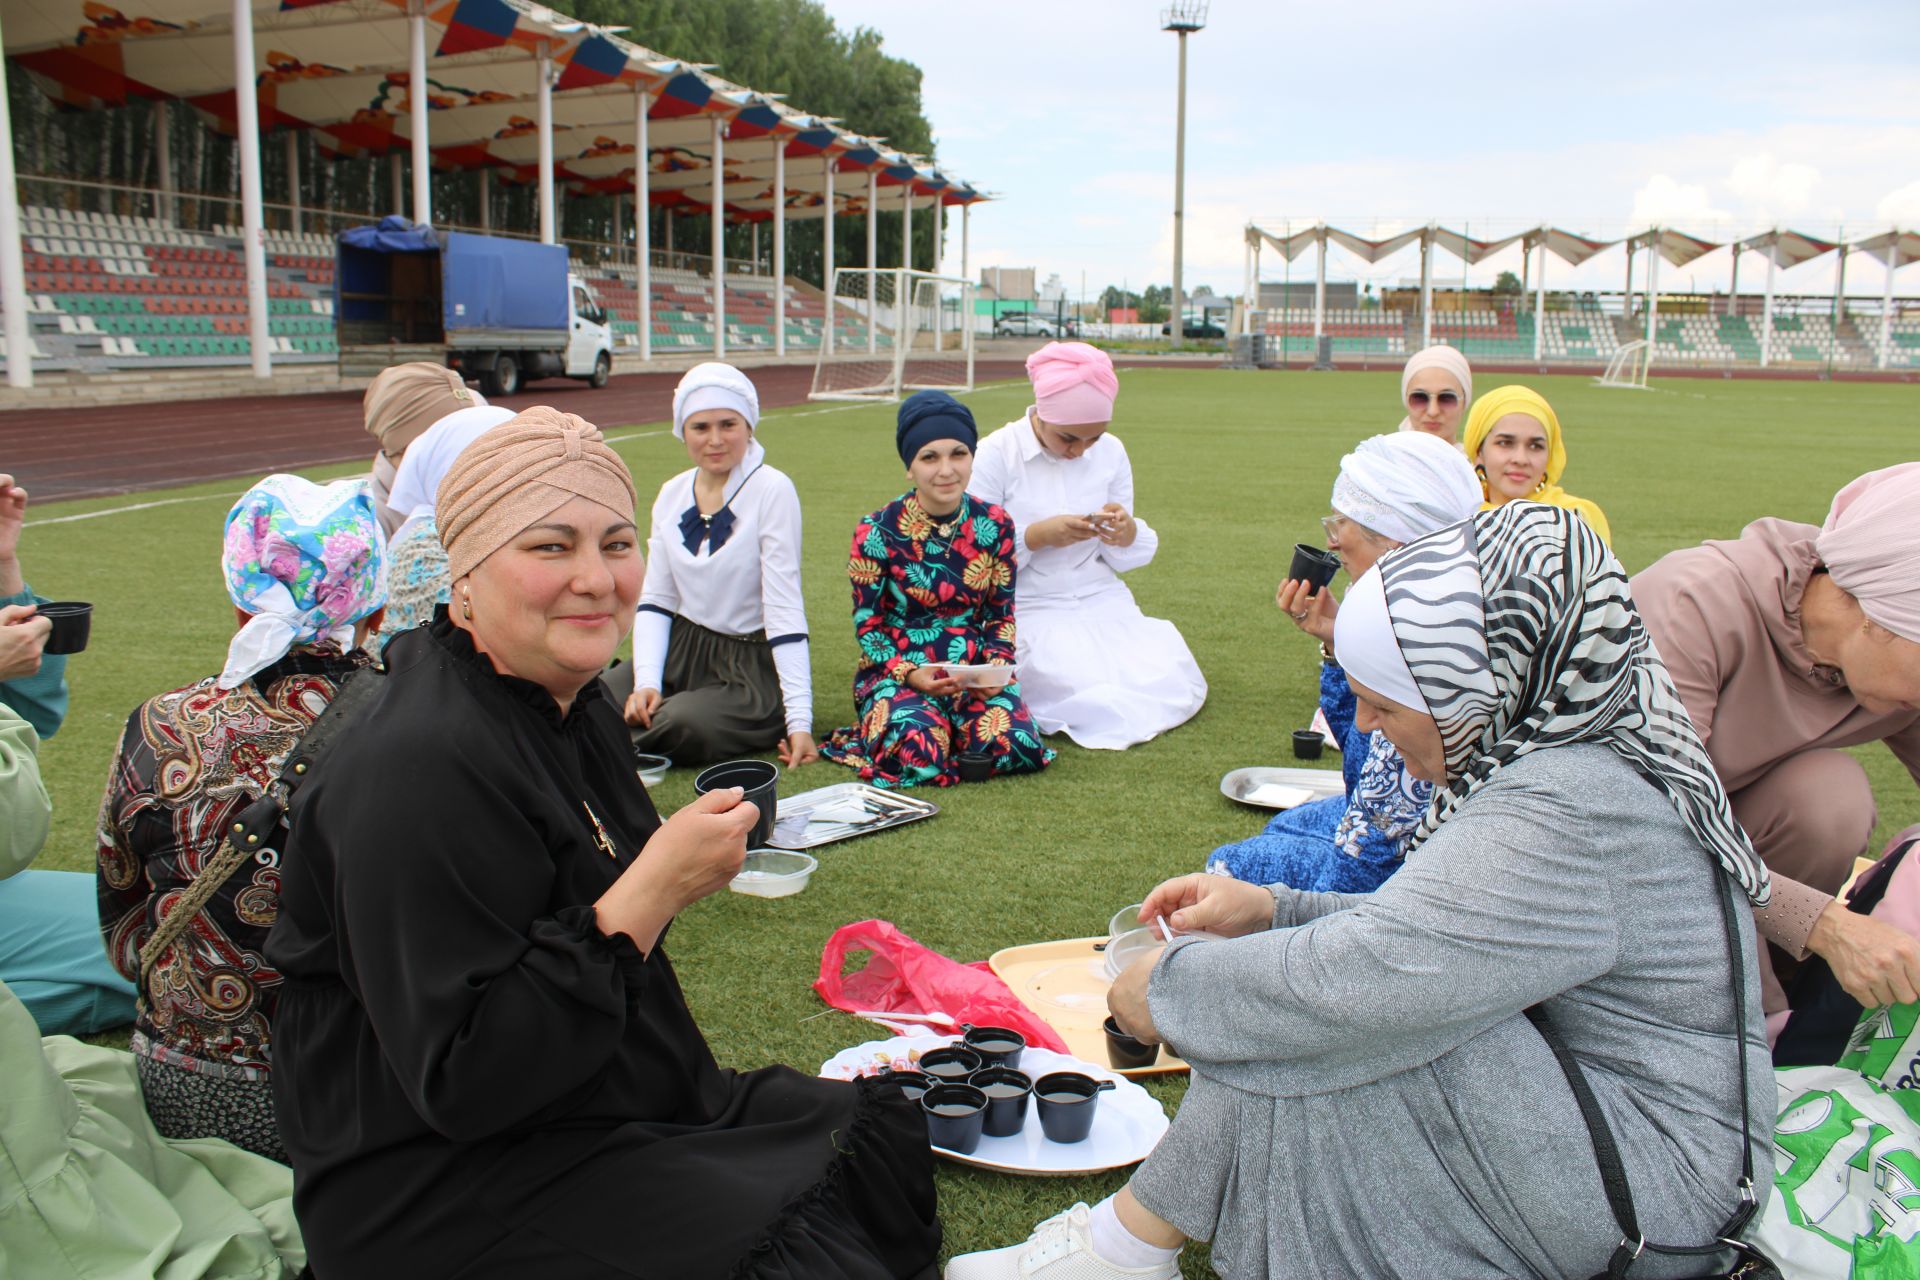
(1011, 468)
(750, 584)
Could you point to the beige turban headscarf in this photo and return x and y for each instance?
(1436, 357)
(1871, 546)
(403, 401)
(525, 468)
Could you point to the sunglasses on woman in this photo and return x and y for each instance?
(1447, 399)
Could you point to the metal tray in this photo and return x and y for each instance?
(1320, 782)
(794, 827)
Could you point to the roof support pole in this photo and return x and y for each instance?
(1540, 301)
(543, 100)
(1626, 293)
(1840, 282)
(643, 221)
(619, 227)
(13, 266)
(826, 254)
(164, 206)
(1426, 289)
(1246, 282)
(939, 305)
(966, 225)
(247, 108)
(873, 258)
(779, 245)
(486, 200)
(1653, 293)
(1733, 285)
(719, 221)
(293, 180)
(906, 228)
(417, 112)
(1320, 293)
(1766, 313)
(1886, 300)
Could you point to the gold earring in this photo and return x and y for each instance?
(466, 604)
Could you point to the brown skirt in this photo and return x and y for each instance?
(721, 697)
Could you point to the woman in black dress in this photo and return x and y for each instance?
(485, 1064)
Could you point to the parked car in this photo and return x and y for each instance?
(1024, 324)
(1196, 327)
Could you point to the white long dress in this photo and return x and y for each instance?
(1092, 665)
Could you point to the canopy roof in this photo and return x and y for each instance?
(340, 69)
(1786, 248)
(1677, 247)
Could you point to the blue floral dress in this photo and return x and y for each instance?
(926, 593)
(1343, 844)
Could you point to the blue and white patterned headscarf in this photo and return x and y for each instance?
(306, 561)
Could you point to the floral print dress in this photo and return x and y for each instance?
(928, 592)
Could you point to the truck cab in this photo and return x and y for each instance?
(589, 334)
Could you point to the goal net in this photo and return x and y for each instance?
(1628, 367)
(891, 332)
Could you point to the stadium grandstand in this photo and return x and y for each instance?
(1532, 325)
(97, 278)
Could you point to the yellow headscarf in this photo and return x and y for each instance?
(1497, 404)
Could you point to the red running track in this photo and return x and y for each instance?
(83, 453)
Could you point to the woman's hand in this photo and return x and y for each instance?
(23, 634)
(1312, 613)
(941, 685)
(692, 854)
(1127, 998)
(641, 704)
(1060, 531)
(1204, 903)
(1875, 963)
(1116, 525)
(799, 749)
(13, 515)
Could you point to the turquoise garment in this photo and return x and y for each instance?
(41, 698)
(89, 1189)
(52, 956)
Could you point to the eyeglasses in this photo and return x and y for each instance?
(1333, 524)
(1447, 399)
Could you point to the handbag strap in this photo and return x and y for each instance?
(1613, 1172)
(248, 832)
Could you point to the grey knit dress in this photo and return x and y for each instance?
(1367, 1099)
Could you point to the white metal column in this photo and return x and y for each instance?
(826, 254)
(966, 219)
(939, 304)
(779, 245)
(543, 100)
(247, 108)
(164, 206)
(417, 112)
(1653, 294)
(1839, 284)
(906, 233)
(1766, 314)
(643, 221)
(1733, 285)
(873, 253)
(1319, 293)
(1426, 289)
(1540, 301)
(1886, 302)
(1246, 282)
(719, 221)
(293, 179)
(13, 265)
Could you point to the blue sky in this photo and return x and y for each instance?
(1719, 119)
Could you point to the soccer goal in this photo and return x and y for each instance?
(1628, 368)
(889, 332)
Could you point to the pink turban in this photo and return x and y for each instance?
(1871, 546)
(1073, 384)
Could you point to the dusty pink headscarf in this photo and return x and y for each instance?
(1871, 546)
(1073, 384)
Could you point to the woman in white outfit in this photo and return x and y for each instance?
(720, 661)
(1091, 664)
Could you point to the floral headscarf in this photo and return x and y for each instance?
(306, 561)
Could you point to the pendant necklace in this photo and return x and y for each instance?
(600, 837)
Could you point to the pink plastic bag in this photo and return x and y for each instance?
(904, 977)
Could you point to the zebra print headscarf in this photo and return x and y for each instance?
(1520, 633)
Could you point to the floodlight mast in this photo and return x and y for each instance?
(1183, 18)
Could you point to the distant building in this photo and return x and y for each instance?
(1297, 295)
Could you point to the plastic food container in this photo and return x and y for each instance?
(651, 768)
(1128, 947)
(773, 873)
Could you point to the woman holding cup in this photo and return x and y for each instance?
(1390, 490)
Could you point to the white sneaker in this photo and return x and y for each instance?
(1061, 1248)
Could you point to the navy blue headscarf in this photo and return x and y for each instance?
(926, 416)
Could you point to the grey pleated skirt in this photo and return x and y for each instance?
(721, 697)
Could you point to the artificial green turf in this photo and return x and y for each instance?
(1231, 468)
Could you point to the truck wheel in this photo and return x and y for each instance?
(506, 376)
(602, 371)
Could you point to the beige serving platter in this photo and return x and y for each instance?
(1065, 985)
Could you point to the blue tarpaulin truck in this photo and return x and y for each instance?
(501, 311)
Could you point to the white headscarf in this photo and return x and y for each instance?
(1437, 357)
(1405, 486)
(713, 385)
(1369, 651)
(430, 457)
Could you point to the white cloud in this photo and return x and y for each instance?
(1662, 200)
(1901, 208)
(1772, 189)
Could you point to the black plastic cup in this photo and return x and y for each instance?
(976, 766)
(951, 1065)
(72, 623)
(1124, 1053)
(997, 1046)
(1067, 1100)
(1313, 565)
(1307, 744)
(912, 1083)
(956, 1116)
(761, 782)
(1007, 1093)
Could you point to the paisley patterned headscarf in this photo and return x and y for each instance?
(306, 561)
(1519, 631)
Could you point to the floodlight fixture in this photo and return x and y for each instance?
(1184, 16)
